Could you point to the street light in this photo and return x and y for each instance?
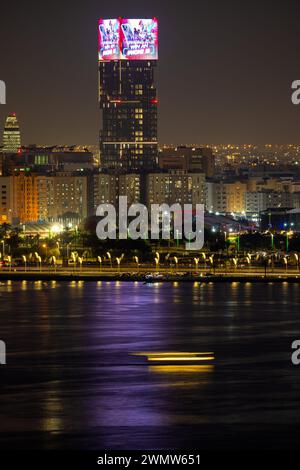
(39, 261)
(46, 248)
(100, 262)
(211, 259)
(176, 261)
(118, 260)
(73, 258)
(135, 258)
(204, 258)
(272, 241)
(196, 262)
(297, 260)
(25, 262)
(56, 229)
(109, 257)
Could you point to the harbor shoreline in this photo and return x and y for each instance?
(68, 277)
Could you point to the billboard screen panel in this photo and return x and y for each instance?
(139, 39)
(109, 39)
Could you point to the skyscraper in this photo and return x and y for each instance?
(127, 94)
(11, 135)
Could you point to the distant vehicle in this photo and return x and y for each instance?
(7, 264)
(153, 277)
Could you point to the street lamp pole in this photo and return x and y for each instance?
(272, 241)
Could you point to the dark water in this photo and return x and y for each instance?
(71, 380)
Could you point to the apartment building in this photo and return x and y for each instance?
(175, 187)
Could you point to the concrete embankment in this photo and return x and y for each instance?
(64, 276)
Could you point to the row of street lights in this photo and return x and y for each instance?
(208, 260)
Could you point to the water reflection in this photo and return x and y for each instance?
(70, 367)
(181, 371)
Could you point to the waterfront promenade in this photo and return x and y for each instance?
(150, 274)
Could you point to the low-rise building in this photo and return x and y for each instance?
(259, 201)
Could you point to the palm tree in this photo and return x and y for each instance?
(4, 230)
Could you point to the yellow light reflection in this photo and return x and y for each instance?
(180, 369)
(177, 358)
(187, 354)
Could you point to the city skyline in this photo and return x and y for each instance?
(149, 231)
(236, 93)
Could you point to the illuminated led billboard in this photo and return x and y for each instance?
(109, 39)
(128, 39)
(139, 39)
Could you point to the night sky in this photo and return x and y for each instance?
(224, 74)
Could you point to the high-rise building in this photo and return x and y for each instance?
(11, 135)
(127, 94)
(25, 198)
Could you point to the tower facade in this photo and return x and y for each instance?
(127, 94)
(11, 135)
